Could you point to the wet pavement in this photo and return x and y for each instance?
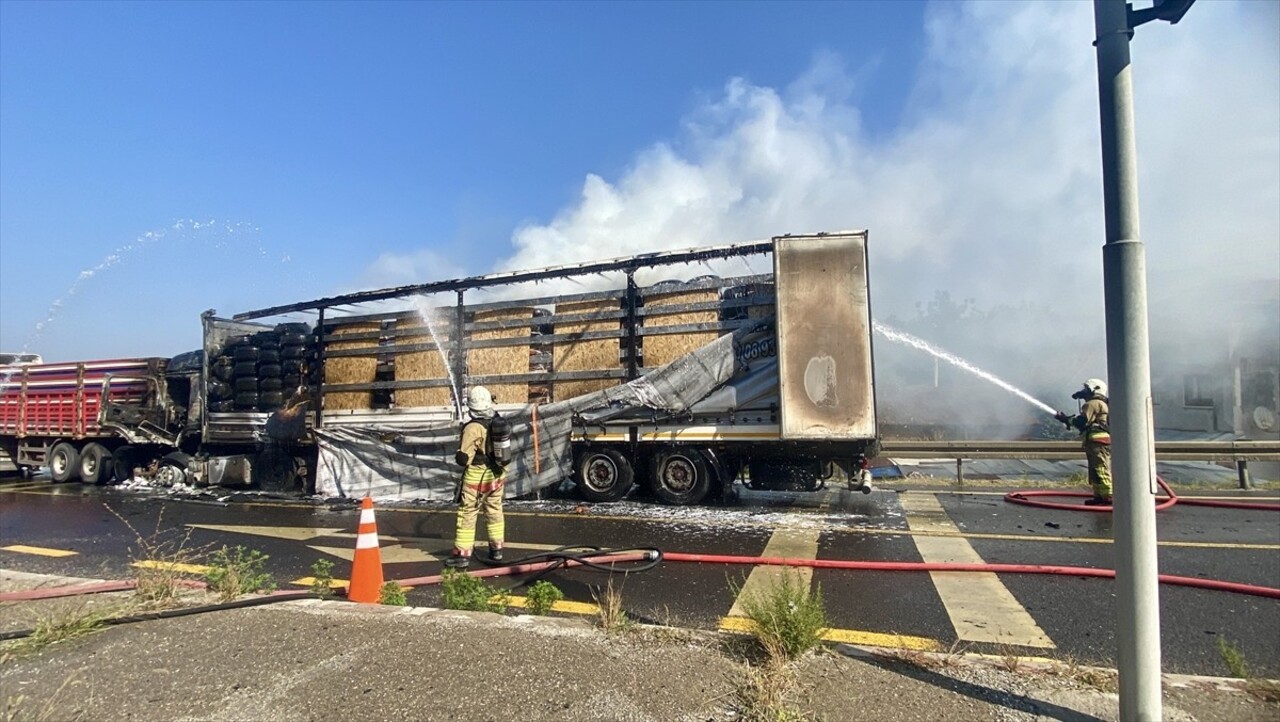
(1076, 614)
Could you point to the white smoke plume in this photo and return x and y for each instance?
(990, 188)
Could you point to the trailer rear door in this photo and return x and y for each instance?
(824, 337)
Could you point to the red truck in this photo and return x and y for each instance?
(49, 416)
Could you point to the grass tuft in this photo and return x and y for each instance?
(787, 619)
(468, 593)
(612, 617)
(238, 571)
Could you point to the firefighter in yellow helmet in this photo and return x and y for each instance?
(482, 481)
(1095, 432)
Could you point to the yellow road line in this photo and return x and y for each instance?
(310, 581)
(41, 551)
(172, 566)
(981, 608)
(847, 636)
(565, 606)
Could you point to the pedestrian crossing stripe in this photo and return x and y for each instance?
(40, 551)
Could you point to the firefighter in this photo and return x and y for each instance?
(1095, 433)
(481, 485)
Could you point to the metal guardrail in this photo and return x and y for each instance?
(1241, 452)
(1267, 450)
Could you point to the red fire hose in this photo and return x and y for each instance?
(1213, 584)
(1026, 499)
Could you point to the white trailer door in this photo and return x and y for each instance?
(824, 337)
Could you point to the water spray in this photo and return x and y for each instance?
(909, 340)
(427, 313)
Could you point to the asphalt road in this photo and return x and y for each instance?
(1030, 615)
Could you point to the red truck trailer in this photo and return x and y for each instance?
(49, 414)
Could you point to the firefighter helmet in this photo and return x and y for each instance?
(479, 400)
(1097, 387)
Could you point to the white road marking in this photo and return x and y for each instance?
(981, 608)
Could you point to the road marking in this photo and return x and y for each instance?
(173, 566)
(293, 533)
(41, 551)
(311, 581)
(827, 498)
(562, 605)
(786, 543)
(981, 608)
(404, 553)
(847, 636)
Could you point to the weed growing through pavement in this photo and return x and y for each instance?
(1266, 690)
(468, 593)
(1010, 660)
(612, 617)
(59, 626)
(322, 578)
(542, 596)
(1103, 680)
(392, 595)
(163, 560)
(1232, 657)
(787, 618)
(766, 690)
(233, 572)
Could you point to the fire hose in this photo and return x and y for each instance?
(1027, 498)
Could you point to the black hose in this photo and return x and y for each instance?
(183, 611)
(582, 555)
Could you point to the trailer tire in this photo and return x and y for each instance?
(269, 356)
(244, 384)
(246, 368)
(96, 464)
(269, 371)
(270, 400)
(122, 462)
(172, 469)
(603, 474)
(680, 476)
(63, 462)
(247, 401)
(293, 352)
(270, 384)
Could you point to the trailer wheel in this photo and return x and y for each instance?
(122, 462)
(680, 477)
(603, 475)
(63, 462)
(96, 464)
(245, 353)
(172, 469)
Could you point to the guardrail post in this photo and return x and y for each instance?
(960, 471)
(1242, 471)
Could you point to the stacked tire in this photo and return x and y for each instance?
(296, 356)
(268, 381)
(258, 372)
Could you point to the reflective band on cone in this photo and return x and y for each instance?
(366, 567)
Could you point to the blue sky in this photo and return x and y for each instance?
(237, 155)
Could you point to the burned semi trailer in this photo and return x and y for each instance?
(681, 387)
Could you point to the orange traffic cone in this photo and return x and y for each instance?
(366, 567)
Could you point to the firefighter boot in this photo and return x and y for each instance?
(457, 560)
(495, 554)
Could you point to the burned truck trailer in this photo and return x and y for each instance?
(680, 387)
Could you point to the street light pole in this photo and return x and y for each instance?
(1129, 370)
